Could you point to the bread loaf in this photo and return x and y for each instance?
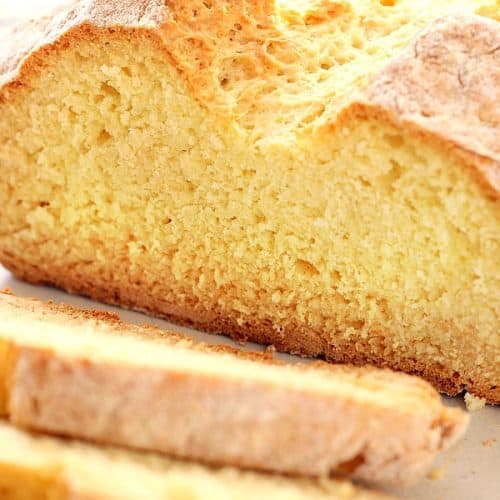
(87, 375)
(35, 467)
(318, 175)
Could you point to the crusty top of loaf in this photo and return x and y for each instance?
(447, 84)
(248, 57)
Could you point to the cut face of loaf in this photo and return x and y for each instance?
(87, 375)
(35, 467)
(322, 176)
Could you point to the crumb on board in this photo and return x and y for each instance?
(437, 473)
(488, 443)
(271, 349)
(474, 403)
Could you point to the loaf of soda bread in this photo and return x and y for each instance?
(318, 175)
(88, 375)
(34, 467)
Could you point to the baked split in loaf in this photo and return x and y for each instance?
(87, 375)
(319, 175)
(34, 467)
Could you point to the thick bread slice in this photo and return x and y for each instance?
(318, 175)
(87, 375)
(33, 467)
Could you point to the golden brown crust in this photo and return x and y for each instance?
(7, 361)
(298, 339)
(152, 332)
(303, 342)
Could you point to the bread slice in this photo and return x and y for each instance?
(88, 375)
(34, 467)
(322, 176)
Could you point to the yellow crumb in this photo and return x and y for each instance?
(473, 403)
(271, 350)
(437, 473)
(488, 443)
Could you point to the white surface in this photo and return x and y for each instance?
(12, 9)
(471, 471)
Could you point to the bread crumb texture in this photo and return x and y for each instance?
(488, 443)
(437, 473)
(473, 403)
(232, 165)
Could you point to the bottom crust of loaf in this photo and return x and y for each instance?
(297, 340)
